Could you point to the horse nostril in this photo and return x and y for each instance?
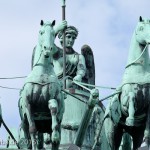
(44, 47)
(51, 48)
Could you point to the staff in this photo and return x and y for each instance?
(64, 46)
(7, 129)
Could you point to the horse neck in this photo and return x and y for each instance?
(135, 51)
(42, 64)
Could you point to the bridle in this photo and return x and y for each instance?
(133, 62)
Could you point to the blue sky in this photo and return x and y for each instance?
(105, 25)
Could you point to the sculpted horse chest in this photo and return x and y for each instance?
(39, 93)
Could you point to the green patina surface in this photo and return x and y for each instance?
(63, 120)
(129, 110)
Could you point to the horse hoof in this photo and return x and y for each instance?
(55, 137)
(130, 121)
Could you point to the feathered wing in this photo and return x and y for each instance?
(87, 52)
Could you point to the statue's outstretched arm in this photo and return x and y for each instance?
(61, 26)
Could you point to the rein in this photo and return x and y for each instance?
(137, 58)
(38, 59)
(102, 87)
(81, 85)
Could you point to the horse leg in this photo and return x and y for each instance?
(131, 109)
(40, 141)
(24, 136)
(118, 134)
(53, 106)
(137, 135)
(147, 129)
(113, 134)
(27, 140)
(32, 128)
(55, 146)
(24, 114)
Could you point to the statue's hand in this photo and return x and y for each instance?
(60, 26)
(77, 78)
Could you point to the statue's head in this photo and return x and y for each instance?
(71, 34)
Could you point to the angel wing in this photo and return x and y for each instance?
(87, 52)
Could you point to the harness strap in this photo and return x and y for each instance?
(137, 58)
(102, 87)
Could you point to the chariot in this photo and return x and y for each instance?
(57, 118)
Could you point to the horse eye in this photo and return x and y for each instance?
(141, 28)
(41, 32)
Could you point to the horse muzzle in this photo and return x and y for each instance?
(47, 53)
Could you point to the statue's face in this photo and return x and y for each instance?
(70, 39)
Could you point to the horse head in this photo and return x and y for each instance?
(47, 37)
(143, 31)
(138, 58)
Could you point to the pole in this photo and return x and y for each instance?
(7, 129)
(11, 135)
(64, 46)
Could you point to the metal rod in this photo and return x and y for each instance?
(102, 87)
(11, 135)
(82, 86)
(74, 96)
(109, 96)
(98, 135)
(64, 46)
(83, 126)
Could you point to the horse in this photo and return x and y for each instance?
(129, 110)
(41, 103)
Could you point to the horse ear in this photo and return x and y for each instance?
(53, 23)
(42, 22)
(140, 19)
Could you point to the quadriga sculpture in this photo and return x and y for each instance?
(129, 110)
(41, 102)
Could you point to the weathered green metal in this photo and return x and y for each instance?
(79, 67)
(75, 63)
(126, 143)
(64, 45)
(94, 96)
(41, 99)
(75, 68)
(129, 110)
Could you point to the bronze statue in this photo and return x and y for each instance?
(41, 102)
(129, 111)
